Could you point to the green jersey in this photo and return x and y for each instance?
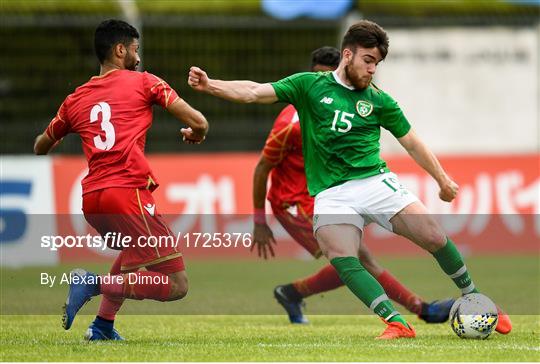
(340, 127)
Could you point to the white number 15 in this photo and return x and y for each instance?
(345, 118)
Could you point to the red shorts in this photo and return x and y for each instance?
(299, 227)
(132, 212)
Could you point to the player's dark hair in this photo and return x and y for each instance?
(325, 56)
(366, 34)
(111, 32)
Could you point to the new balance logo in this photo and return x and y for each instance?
(327, 100)
(150, 209)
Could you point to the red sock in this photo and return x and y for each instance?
(399, 293)
(324, 280)
(109, 307)
(137, 286)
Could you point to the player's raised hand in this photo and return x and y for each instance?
(189, 137)
(449, 190)
(197, 79)
(263, 238)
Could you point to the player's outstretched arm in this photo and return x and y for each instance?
(43, 144)
(262, 234)
(427, 160)
(194, 119)
(245, 92)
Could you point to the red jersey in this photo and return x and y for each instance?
(112, 113)
(283, 148)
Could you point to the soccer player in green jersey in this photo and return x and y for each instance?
(341, 114)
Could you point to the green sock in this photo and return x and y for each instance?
(399, 318)
(453, 265)
(364, 286)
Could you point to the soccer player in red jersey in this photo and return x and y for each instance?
(293, 208)
(112, 113)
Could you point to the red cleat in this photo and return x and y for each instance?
(396, 330)
(504, 325)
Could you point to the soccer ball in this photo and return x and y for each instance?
(473, 316)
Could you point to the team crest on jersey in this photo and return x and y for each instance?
(364, 108)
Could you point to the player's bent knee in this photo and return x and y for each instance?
(178, 294)
(179, 286)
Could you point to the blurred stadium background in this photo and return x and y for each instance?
(48, 51)
(466, 73)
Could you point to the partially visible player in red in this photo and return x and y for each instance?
(293, 208)
(112, 113)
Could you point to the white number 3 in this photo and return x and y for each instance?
(106, 126)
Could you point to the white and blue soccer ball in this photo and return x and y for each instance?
(473, 316)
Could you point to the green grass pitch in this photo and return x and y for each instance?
(230, 315)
